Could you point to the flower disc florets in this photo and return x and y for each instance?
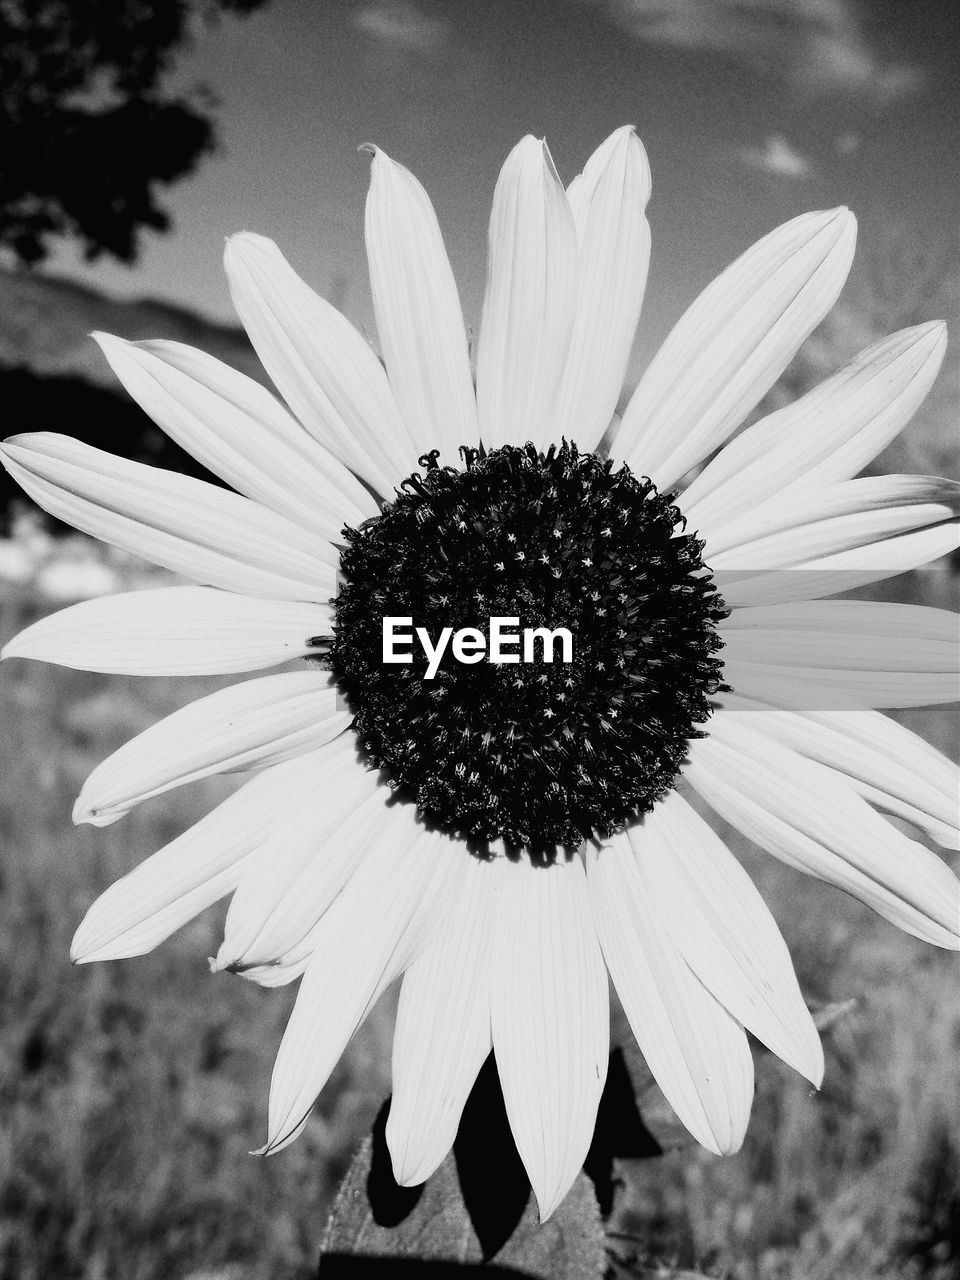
(541, 753)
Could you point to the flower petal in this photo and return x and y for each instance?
(829, 575)
(844, 653)
(443, 1031)
(550, 1018)
(172, 631)
(200, 866)
(608, 201)
(801, 813)
(312, 853)
(808, 524)
(882, 761)
(247, 726)
(820, 542)
(240, 432)
(696, 1052)
(530, 300)
(322, 367)
(372, 932)
(826, 436)
(189, 526)
(288, 963)
(418, 312)
(723, 929)
(733, 343)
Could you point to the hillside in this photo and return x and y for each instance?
(45, 323)
(53, 377)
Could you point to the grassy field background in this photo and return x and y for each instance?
(132, 1092)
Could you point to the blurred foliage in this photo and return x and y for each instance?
(89, 129)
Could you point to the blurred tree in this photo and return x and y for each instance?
(88, 130)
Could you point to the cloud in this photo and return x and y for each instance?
(819, 48)
(401, 25)
(777, 157)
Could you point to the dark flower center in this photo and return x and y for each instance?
(541, 753)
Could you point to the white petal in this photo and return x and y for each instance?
(696, 1052)
(816, 543)
(173, 631)
(879, 759)
(247, 726)
(377, 828)
(815, 689)
(443, 1028)
(723, 929)
(309, 857)
(733, 343)
(418, 312)
(189, 526)
(800, 812)
(530, 300)
(829, 575)
(278, 973)
(845, 653)
(550, 1018)
(608, 201)
(372, 932)
(240, 432)
(827, 435)
(806, 525)
(323, 368)
(180, 880)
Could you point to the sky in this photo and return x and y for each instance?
(751, 111)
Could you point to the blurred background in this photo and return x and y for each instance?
(135, 135)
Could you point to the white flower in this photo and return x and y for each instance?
(511, 950)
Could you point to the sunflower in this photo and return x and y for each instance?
(506, 834)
